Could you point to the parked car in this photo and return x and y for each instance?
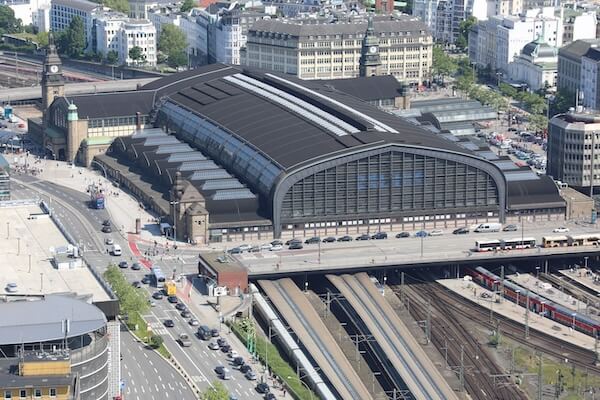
(270, 396)
(219, 369)
(214, 332)
(266, 246)
(244, 247)
(180, 306)
(245, 368)
(345, 239)
(312, 240)
(276, 247)
(106, 223)
(226, 348)
(152, 303)
(329, 239)
(136, 266)
(194, 322)
(460, 231)
(235, 250)
(186, 314)
(136, 284)
(254, 249)
(238, 362)
(561, 229)
(109, 241)
(422, 234)
(169, 323)
(146, 280)
(123, 264)
(436, 232)
(277, 242)
(402, 235)
(262, 388)
(295, 246)
(510, 228)
(379, 235)
(250, 375)
(106, 229)
(222, 342)
(293, 240)
(157, 295)
(364, 236)
(213, 346)
(173, 299)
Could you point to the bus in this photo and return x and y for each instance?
(585, 240)
(487, 245)
(513, 244)
(555, 241)
(159, 277)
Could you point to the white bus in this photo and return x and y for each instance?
(487, 245)
(513, 244)
(158, 276)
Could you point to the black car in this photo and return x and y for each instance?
(314, 239)
(226, 348)
(277, 242)
(262, 388)
(169, 323)
(270, 396)
(245, 368)
(345, 239)
(379, 235)
(180, 306)
(136, 266)
(221, 342)
(106, 223)
(106, 229)
(146, 280)
(294, 240)
(402, 235)
(295, 246)
(173, 299)
(214, 332)
(157, 295)
(186, 314)
(364, 236)
(123, 264)
(460, 231)
(329, 239)
(137, 284)
(238, 362)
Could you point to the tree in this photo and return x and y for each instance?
(507, 90)
(136, 54)
(8, 22)
(463, 32)
(443, 64)
(187, 5)
(72, 40)
(563, 100)
(118, 5)
(172, 42)
(156, 341)
(42, 38)
(112, 57)
(537, 123)
(216, 392)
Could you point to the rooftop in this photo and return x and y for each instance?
(83, 5)
(41, 319)
(367, 88)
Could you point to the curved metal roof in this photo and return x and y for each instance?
(42, 319)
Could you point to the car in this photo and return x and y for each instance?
(245, 368)
(270, 396)
(106, 223)
(295, 246)
(123, 264)
(422, 234)
(11, 287)
(233, 397)
(244, 247)
(250, 375)
(560, 229)
(109, 241)
(184, 340)
(213, 346)
(379, 236)
(226, 375)
(219, 369)
(312, 240)
(106, 229)
(222, 342)
(157, 295)
(266, 246)
(262, 388)
(173, 299)
(233, 354)
(152, 303)
(345, 238)
(238, 362)
(181, 307)
(276, 247)
(136, 284)
(235, 250)
(254, 249)
(277, 242)
(226, 348)
(169, 323)
(364, 236)
(136, 266)
(186, 314)
(194, 322)
(146, 280)
(329, 239)
(214, 332)
(510, 228)
(436, 232)
(402, 235)
(460, 231)
(293, 240)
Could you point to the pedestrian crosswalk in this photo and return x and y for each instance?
(157, 328)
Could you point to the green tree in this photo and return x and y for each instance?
(216, 392)
(42, 38)
(463, 32)
(465, 83)
(72, 40)
(118, 5)
(537, 122)
(507, 90)
(187, 5)
(8, 22)
(137, 54)
(172, 42)
(563, 100)
(156, 341)
(443, 64)
(112, 57)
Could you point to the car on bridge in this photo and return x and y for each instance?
(364, 236)
(312, 240)
(329, 239)
(402, 235)
(561, 229)
(345, 239)
(460, 231)
(422, 234)
(379, 236)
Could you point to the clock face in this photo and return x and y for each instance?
(54, 69)
(373, 49)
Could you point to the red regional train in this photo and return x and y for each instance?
(537, 303)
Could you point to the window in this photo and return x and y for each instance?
(52, 392)
(23, 393)
(37, 393)
(8, 394)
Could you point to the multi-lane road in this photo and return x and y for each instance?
(198, 361)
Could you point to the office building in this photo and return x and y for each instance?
(4, 179)
(119, 33)
(63, 11)
(320, 49)
(574, 149)
(570, 63)
(535, 66)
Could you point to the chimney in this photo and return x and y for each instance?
(138, 121)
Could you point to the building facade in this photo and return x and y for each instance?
(316, 49)
(578, 25)
(63, 11)
(26, 10)
(569, 64)
(574, 150)
(536, 66)
(4, 179)
(119, 33)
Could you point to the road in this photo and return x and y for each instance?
(85, 224)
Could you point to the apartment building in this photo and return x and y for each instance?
(443, 17)
(63, 11)
(578, 25)
(117, 32)
(570, 61)
(317, 48)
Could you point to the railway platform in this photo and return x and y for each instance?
(584, 277)
(488, 299)
(545, 289)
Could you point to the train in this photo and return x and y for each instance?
(537, 303)
(585, 239)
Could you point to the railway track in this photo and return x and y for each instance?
(548, 345)
(450, 336)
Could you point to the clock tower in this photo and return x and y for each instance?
(370, 63)
(53, 82)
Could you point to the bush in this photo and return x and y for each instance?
(156, 341)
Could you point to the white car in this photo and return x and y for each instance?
(152, 303)
(233, 354)
(109, 241)
(436, 232)
(277, 247)
(244, 247)
(266, 246)
(11, 287)
(561, 229)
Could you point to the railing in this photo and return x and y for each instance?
(95, 348)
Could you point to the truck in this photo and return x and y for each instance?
(116, 250)
(96, 197)
(171, 288)
(489, 227)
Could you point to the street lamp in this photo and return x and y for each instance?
(303, 384)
